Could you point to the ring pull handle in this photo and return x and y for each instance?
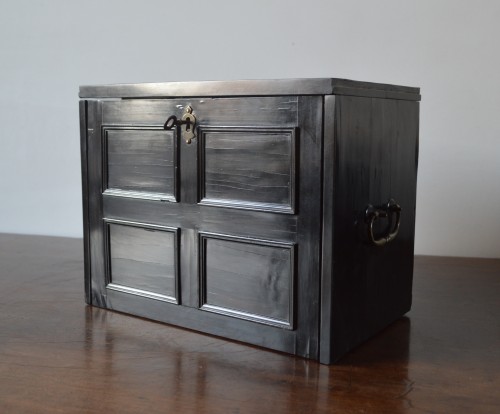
(171, 123)
(390, 210)
(188, 122)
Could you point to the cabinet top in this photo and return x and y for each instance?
(312, 86)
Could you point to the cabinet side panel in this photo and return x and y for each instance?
(97, 247)
(376, 159)
(325, 342)
(85, 199)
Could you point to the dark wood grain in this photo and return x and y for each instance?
(376, 143)
(249, 279)
(319, 159)
(85, 199)
(309, 224)
(95, 225)
(143, 258)
(281, 227)
(58, 355)
(327, 275)
(238, 137)
(266, 87)
(252, 111)
(141, 161)
(248, 168)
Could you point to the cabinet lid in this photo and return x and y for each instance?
(312, 86)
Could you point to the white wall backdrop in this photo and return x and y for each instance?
(448, 48)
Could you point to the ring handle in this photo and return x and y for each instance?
(170, 123)
(388, 210)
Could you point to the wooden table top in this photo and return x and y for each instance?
(58, 355)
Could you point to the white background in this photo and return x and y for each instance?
(448, 48)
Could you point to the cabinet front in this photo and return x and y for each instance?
(210, 221)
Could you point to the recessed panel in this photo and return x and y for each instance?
(140, 162)
(142, 260)
(248, 168)
(248, 279)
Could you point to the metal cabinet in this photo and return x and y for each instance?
(253, 210)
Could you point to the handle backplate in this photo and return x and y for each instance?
(187, 124)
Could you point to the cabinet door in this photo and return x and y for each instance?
(210, 235)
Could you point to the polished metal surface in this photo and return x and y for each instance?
(187, 123)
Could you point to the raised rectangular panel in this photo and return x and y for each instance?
(250, 168)
(140, 163)
(143, 260)
(248, 279)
